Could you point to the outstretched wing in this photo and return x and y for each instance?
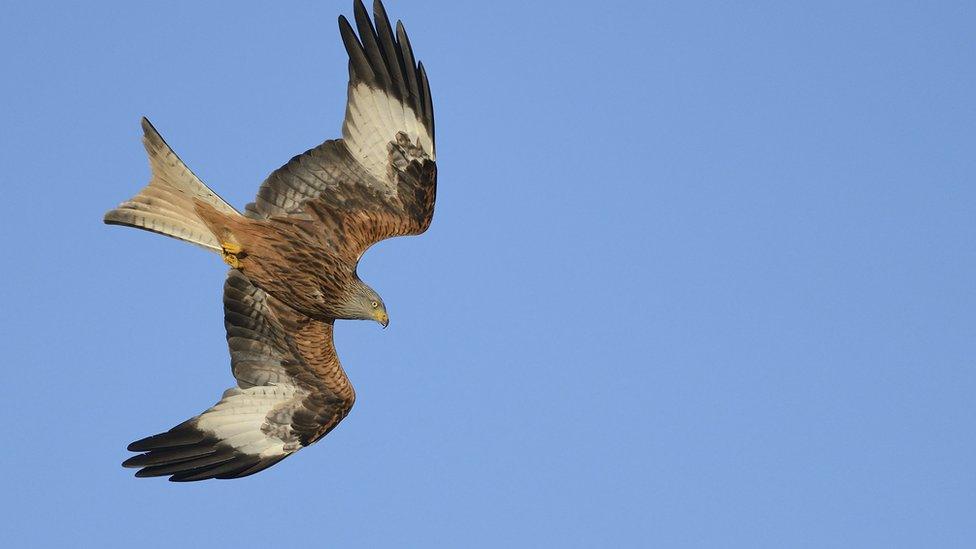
(291, 391)
(380, 179)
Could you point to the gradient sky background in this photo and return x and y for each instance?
(700, 275)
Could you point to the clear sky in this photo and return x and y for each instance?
(700, 275)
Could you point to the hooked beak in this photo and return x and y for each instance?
(382, 318)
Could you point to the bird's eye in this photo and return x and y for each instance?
(375, 304)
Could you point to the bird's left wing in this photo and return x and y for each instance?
(291, 391)
(380, 179)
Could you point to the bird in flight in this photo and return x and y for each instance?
(293, 254)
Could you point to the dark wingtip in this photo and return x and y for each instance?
(378, 8)
(344, 25)
(185, 453)
(357, 55)
(138, 446)
(132, 462)
(181, 435)
(358, 7)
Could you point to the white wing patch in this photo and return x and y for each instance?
(256, 420)
(373, 119)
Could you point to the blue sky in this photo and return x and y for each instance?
(700, 275)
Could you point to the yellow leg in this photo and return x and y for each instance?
(230, 251)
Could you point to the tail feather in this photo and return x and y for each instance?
(167, 204)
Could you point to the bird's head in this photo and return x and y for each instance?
(366, 304)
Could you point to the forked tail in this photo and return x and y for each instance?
(166, 204)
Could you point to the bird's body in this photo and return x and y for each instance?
(309, 261)
(293, 253)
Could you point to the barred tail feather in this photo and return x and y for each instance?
(166, 204)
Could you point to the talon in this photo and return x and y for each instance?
(231, 260)
(232, 248)
(232, 253)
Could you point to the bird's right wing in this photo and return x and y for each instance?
(291, 391)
